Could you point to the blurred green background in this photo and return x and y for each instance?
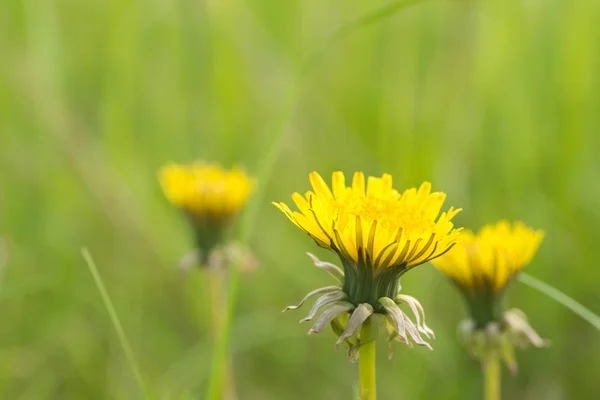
(496, 102)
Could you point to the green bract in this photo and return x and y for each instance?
(347, 306)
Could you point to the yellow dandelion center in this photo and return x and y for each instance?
(489, 260)
(206, 191)
(374, 224)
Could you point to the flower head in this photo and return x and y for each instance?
(482, 266)
(207, 192)
(374, 223)
(209, 195)
(379, 234)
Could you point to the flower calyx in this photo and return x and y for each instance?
(219, 258)
(501, 337)
(347, 317)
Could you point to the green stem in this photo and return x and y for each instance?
(491, 372)
(221, 356)
(366, 365)
(216, 288)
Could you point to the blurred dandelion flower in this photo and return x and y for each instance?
(379, 234)
(482, 267)
(210, 196)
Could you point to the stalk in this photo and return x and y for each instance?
(366, 364)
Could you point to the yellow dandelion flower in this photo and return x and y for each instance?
(207, 191)
(488, 261)
(208, 194)
(482, 266)
(378, 233)
(374, 223)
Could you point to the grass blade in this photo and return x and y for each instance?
(561, 298)
(110, 308)
(355, 25)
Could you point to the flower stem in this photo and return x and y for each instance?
(216, 289)
(366, 364)
(491, 372)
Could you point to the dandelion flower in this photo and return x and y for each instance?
(482, 267)
(207, 192)
(378, 234)
(210, 196)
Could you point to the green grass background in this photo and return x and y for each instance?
(496, 102)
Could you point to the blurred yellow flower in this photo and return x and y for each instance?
(210, 196)
(207, 192)
(482, 266)
(378, 226)
(489, 260)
